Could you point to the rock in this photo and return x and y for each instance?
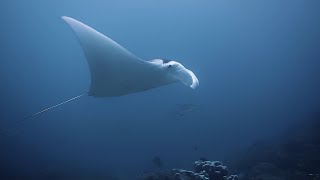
(203, 170)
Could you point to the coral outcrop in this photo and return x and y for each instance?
(203, 170)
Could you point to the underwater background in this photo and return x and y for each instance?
(258, 63)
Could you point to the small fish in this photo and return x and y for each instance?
(4, 132)
(182, 110)
(203, 159)
(157, 162)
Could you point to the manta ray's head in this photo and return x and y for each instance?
(176, 71)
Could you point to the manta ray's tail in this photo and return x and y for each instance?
(54, 106)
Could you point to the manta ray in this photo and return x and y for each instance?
(116, 72)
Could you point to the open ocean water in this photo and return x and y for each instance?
(256, 110)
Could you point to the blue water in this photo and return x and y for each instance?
(257, 62)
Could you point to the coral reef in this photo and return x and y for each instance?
(203, 170)
(295, 155)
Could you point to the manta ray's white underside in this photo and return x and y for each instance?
(115, 71)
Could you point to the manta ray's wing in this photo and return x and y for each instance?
(114, 70)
